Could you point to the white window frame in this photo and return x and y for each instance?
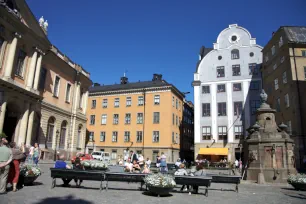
(128, 101)
(206, 132)
(276, 85)
(93, 104)
(156, 99)
(127, 120)
(140, 100)
(59, 85)
(274, 66)
(114, 154)
(104, 105)
(116, 102)
(138, 135)
(280, 42)
(238, 130)
(103, 119)
(116, 122)
(287, 100)
(127, 136)
(69, 96)
(91, 136)
(24, 64)
(282, 59)
(157, 121)
(139, 119)
(155, 136)
(92, 119)
(273, 50)
(285, 77)
(102, 136)
(115, 136)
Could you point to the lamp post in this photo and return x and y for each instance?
(55, 150)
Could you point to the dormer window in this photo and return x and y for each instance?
(273, 50)
(280, 43)
(235, 54)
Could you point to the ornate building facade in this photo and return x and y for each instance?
(40, 88)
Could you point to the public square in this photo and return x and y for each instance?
(118, 193)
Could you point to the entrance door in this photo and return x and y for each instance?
(9, 125)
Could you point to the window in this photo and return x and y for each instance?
(205, 109)
(42, 78)
(56, 86)
(176, 120)
(221, 88)
(140, 100)
(172, 118)
(173, 100)
(206, 133)
(91, 136)
(139, 136)
(278, 105)
(176, 103)
(128, 101)
(126, 136)
(287, 103)
(93, 104)
(236, 70)
(255, 104)
(156, 117)
(20, 63)
(50, 131)
(237, 86)
(154, 155)
(176, 138)
(127, 118)
(282, 59)
(222, 132)
(155, 136)
(114, 154)
(253, 69)
(238, 132)
(116, 102)
(156, 100)
(102, 136)
(305, 73)
(92, 119)
(276, 84)
(139, 118)
(81, 100)
(221, 109)
(238, 108)
(280, 42)
(104, 103)
(289, 127)
(285, 78)
(274, 66)
(220, 71)
(267, 58)
(235, 54)
(116, 119)
(273, 50)
(68, 89)
(304, 53)
(103, 119)
(205, 90)
(254, 85)
(115, 136)
(179, 105)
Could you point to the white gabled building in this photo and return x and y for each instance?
(226, 84)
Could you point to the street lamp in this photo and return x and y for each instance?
(55, 150)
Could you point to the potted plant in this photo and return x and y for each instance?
(160, 184)
(298, 181)
(94, 165)
(28, 174)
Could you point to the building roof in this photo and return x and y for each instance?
(133, 85)
(296, 34)
(203, 52)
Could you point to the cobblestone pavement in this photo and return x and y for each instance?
(123, 193)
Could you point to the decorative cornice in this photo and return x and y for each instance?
(17, 35)
(39, 50)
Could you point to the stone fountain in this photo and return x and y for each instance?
(269, 148)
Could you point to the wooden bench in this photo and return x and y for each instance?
(225, 179)
(90, 175)
(125, 177)
(194, 181)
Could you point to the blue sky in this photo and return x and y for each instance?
(144, 37)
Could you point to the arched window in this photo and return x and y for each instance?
(50, 131)
(235, 54)
(79, 137)
(63, 135)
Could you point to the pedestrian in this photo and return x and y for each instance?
(236, 164)
(133, 156)
(141, 161)
(78, 166)
(148, 162)
(240, 165)
(14, 171)
(6, 157)
(163, 163)
(36, 153)
(178, 163)
(182, 172)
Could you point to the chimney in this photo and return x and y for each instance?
(96, 84)
(123, 80)
(157, 77)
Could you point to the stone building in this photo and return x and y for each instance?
(142, 116)
(284, 79)
(40, 88)
(226, 86)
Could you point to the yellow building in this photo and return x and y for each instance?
(144, 117)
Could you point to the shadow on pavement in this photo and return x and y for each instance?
(63, 200)
(299, 196)
(154, 195)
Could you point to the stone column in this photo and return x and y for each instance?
(2, 115)
(37, 72)
(30, 127)
(31, 70)
(10, 57)
(85, 102)
(24, 124)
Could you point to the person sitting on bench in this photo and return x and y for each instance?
(61, 164)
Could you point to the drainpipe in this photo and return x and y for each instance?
(299, 100)
(144, 120)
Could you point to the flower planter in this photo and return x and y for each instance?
(27, 180)
(159, 191)
(299, 186)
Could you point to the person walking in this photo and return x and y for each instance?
(14, 171)
(133, 156)
(163, 163)
(6, 157)
(36, 154)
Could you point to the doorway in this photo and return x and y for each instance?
(9, 126)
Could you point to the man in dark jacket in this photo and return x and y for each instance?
(133, 156)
